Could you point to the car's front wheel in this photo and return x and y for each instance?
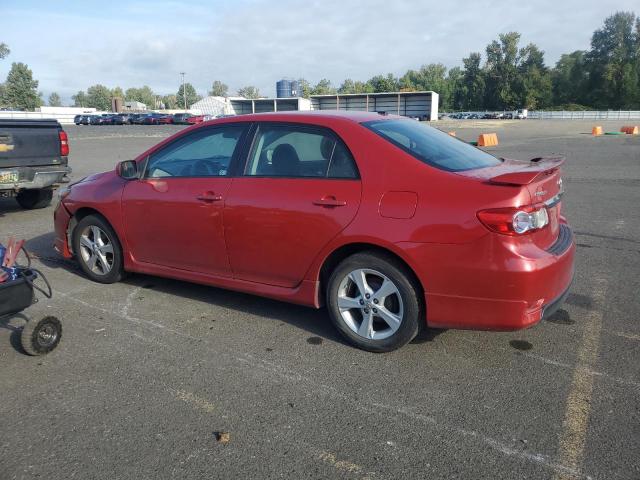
(374, 301)
(98, 250)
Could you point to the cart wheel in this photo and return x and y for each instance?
(41, 337)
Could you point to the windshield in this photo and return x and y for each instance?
(432, 146)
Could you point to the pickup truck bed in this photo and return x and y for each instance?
(33, 160)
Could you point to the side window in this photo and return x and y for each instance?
(204, 153)
(342, 163)
(297, 151)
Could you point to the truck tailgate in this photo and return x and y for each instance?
(25, 143)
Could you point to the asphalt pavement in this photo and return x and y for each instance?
(151, 371)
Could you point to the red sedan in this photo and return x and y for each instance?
(393, 225)
(195, 119)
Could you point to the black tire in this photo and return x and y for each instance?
(31, 199)
(116, 272)
(41, 337)
(406, 287)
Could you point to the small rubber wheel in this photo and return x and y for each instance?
(41, 337)
(31, 199)
(375, 302)
(98, 250)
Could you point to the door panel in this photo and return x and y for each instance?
(177, 222)
(275, 227)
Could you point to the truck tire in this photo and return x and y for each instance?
(31, 199)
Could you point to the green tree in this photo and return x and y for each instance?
(472, 89)
(99, 97)
(454, 95)
(305, 88)
(187, 91)
(323, 87)
(20, 89)
(219, 89)
(249, 92)
(117, 92)
(143, 95)
(54, 100)
(381, 83)
(501, 72)
(613, 64)
(4, 50)
(79, 99)
(569, 79)
(348, 86)
(535, 88)
(170, 102)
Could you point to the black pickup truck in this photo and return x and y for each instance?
(33, 160)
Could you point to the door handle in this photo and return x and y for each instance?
(209, 197)
(329, 201)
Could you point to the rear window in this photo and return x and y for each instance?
(432, 146)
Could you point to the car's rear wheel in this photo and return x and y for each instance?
(32, 199)
(374, 301)
(98, 250)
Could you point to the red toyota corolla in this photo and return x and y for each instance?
(393, 225)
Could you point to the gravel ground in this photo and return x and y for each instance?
(150, 370)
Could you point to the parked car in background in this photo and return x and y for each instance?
(292, 206)
(195, 119)
(181, 118)
(96, 120)
(77, 119)
(125, 117)
(116, 120)
(157, 119)
(137, 118)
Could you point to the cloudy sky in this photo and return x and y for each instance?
(71, 45)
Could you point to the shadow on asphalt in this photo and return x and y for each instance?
(14, 338)
(8, 206)
(314, 321)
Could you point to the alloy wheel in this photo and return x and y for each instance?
(370, 304)
(96, 250)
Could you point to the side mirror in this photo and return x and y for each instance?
(127, 169)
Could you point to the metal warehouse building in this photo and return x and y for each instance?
(409, 104)
(423, 105)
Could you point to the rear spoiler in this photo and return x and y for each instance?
(538, 167)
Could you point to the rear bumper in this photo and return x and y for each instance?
(36, 177)
(492, 284)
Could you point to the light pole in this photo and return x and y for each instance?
(184, 94)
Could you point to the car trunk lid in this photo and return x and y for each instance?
(541, 178)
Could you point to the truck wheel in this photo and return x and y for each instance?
(32, 199)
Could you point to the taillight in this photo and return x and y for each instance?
(515, 221)
(64, 143)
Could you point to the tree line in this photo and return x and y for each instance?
(508, 76)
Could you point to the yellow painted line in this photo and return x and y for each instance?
(630, 336)
(344, 466)
(578, 407)
(194, 400)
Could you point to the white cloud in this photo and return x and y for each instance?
(259, 41)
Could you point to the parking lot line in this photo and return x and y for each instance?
(578, 406)
(256, 364)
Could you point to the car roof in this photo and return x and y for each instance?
(309, 116)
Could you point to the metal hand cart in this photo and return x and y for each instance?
(19, 293)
